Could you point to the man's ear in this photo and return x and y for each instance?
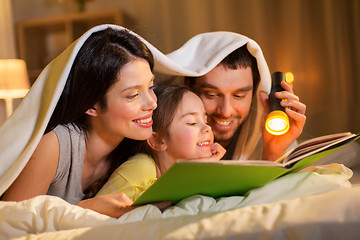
(156, 142)
(264, 97)
(92, 111)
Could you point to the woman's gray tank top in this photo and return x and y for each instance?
(67, 182)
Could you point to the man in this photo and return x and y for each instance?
(231, 98)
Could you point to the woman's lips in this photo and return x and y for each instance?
(145, 122)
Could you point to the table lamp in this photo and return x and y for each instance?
(14, 81)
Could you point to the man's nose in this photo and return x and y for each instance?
(224, 107)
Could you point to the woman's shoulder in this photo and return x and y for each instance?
(67, 130)
(48, 143)
(46, 154)
(70, 138)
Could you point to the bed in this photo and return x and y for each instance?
(318, 203)
(292, 207)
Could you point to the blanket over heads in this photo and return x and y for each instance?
(22, 131)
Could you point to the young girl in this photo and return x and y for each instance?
(108, 98)
(180, 131)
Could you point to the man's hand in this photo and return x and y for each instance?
(275, 146)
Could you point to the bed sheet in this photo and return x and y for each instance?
(331, 215)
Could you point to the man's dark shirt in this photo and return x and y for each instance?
(231, 148)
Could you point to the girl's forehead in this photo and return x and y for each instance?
(190, 104)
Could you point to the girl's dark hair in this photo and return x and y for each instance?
(94, 71)
(168, 100)
(239, 58)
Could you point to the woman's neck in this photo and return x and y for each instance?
(98, 146)
(96, 161)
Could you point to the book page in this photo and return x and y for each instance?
(300, 152)
(309, 148)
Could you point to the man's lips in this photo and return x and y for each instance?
(222, 123)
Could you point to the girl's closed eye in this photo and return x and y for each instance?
(190, 120)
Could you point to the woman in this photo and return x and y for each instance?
(108, 98)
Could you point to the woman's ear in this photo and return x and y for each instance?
(92, 111)
(156, 142)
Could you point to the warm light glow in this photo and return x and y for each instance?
(277, 123)
(289, 77)
(14, 81)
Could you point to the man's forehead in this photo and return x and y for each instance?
(226, 79)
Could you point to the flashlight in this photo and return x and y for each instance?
(277, 122)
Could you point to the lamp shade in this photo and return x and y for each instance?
(13, 74)
(14, 81)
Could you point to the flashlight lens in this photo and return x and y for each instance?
(277, 123)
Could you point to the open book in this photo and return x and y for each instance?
(236, 177)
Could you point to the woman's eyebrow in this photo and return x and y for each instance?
(138, 86)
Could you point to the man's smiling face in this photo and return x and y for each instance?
(227, 96)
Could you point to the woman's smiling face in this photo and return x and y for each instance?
(130, 103)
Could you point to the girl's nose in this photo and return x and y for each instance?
(206, 128)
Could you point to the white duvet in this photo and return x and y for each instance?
(48, 217)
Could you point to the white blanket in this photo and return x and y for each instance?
(49, 217)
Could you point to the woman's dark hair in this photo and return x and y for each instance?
(94, 71)
(239, 58)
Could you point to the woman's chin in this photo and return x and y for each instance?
(143, 135)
